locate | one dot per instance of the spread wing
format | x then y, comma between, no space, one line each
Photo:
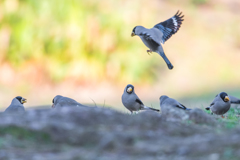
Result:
170,26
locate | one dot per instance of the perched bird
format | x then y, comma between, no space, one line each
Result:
60,101
160,33
131,101
166,102
220,105
16,105
234,100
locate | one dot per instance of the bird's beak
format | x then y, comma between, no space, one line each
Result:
226,99
24,100
133,34
129,89
53,106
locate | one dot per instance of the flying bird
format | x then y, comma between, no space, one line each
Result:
160,33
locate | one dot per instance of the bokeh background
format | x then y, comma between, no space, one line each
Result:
83,49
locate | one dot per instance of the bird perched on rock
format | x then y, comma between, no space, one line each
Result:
166,102
221,104
234,100
131,101
60,101
160,33
16,105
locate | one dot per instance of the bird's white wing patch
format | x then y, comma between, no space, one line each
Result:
170,26
175,23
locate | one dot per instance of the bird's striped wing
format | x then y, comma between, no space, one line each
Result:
170,26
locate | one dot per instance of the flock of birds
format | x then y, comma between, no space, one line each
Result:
220,105
152,38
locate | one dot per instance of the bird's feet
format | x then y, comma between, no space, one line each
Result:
222,116
149,51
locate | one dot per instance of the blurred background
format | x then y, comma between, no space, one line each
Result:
83,49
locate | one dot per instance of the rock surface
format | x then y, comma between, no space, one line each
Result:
105,134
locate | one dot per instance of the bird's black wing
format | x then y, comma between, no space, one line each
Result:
170,26
139,101
181,106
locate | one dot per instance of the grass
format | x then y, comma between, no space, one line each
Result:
20,137
231,119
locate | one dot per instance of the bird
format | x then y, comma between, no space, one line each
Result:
60,101
131,101
220,105
234,100
160,33
16,105
166,102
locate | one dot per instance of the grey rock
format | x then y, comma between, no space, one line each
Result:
198,116
105,134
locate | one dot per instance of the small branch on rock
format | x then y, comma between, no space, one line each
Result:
93,101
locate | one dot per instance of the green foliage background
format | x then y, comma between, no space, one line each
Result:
52,46
67,35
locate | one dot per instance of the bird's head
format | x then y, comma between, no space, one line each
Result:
224,96
21,99
134,31
162,98
129,89
54,101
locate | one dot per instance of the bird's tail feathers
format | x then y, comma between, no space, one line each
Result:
169,64
235,102
149,108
